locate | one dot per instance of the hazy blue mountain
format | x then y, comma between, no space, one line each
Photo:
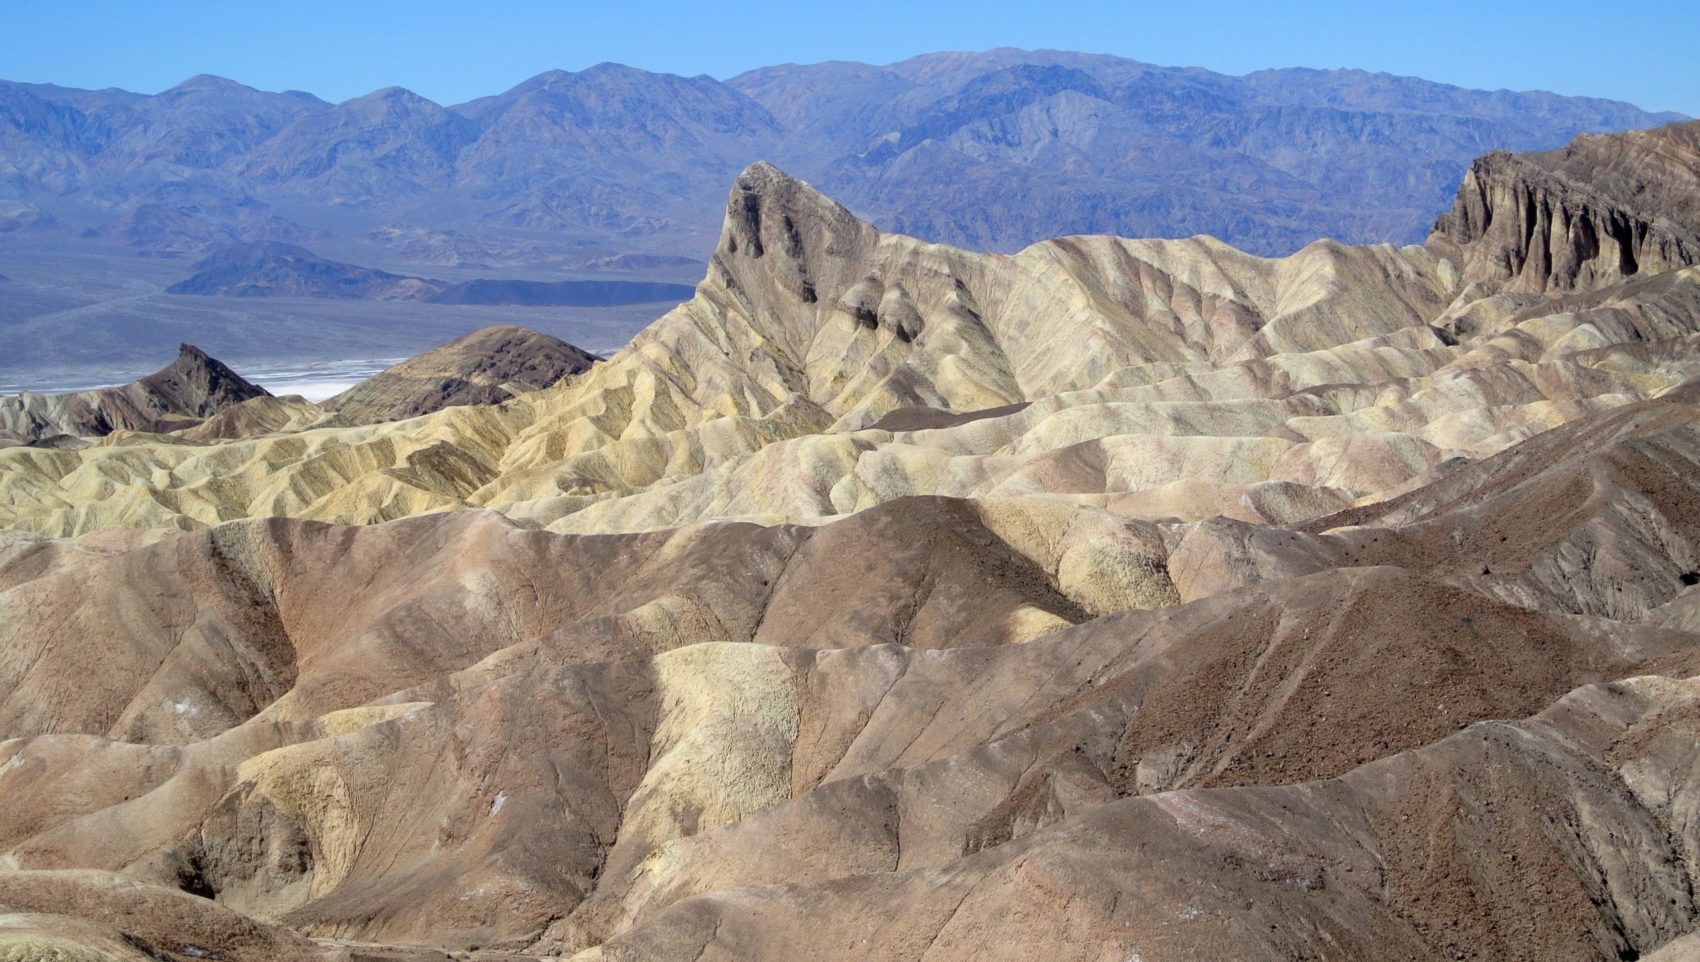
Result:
1035,144
202,123
44,146
991,150
613,148
388,144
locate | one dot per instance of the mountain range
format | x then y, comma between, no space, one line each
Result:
1119,598
993,150
109,200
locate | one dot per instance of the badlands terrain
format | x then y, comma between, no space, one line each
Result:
236,213
1109,600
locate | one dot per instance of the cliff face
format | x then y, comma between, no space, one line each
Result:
1601,210
194,387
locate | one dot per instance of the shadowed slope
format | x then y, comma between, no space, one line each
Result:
193,387
487,366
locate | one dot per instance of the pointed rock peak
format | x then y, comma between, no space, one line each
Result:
392,99
785,243
192,359
764,172
200,383
769,209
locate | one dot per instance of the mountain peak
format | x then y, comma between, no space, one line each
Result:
769,209
193,387
198,384
205,82
392,100
762,177
389,93
785,244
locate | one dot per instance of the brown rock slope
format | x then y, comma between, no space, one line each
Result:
487,366
192,388
1602,209
1114,600
616,737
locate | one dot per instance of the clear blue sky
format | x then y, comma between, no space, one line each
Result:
1649,54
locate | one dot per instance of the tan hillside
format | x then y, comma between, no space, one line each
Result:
1179,379
1112,600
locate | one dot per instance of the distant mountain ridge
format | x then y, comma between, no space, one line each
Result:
614,173
988,150
270,268
276,269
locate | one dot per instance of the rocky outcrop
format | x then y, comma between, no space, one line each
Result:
1601,210
192,388
488,366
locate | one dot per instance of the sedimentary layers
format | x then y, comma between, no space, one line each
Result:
1114,599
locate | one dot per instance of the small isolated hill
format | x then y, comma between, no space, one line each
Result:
276,269
487,366
193,387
